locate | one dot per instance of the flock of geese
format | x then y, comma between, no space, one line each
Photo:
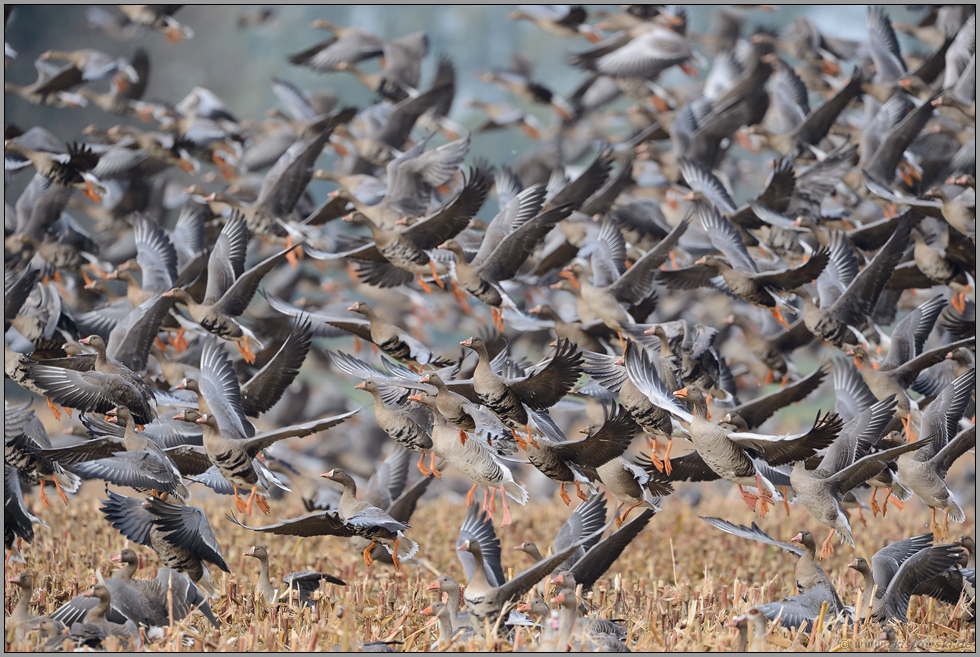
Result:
613,246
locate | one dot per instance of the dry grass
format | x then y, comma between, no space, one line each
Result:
676,586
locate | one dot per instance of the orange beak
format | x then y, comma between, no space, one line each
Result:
681,394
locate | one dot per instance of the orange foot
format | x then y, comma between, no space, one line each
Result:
421,466
367,555
827,548
432,465
564,496
498,319
54,409
61,493
425,286
777,313
263,504
239,503
44,498
245,350
435,275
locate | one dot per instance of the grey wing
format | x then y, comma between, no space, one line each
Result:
584,521
783,450
227,260
726,238
519,210
262,440
886,561
74,610
188,527
752,533
922,566
634,285
220,388
156,256
702,180
852,394
131,338
319,523
643,375
82,390
523,581
388,481
129,517
139,469
266,387
601,556
308,582
371,517
478,526
957,447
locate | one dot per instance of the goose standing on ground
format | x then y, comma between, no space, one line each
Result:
304,583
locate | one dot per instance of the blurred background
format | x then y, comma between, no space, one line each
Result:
235,56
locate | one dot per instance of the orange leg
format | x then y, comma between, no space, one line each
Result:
581,494
765,497
160,343
367,554
657,463
486,503
520,441
432,465
61,493
435,275
462,437
786,499
394,556
460,297
503,497
263,504
91,193
770,377
531,439
248,503
54,409
469,496
425,286
245,350
498,318
564,496
777,313
421,466
622,341
946,524
894,500
909,433
293,256
620,521
43,497
238,502
747,497
937,531
959,300
874,503
667,468
827,548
